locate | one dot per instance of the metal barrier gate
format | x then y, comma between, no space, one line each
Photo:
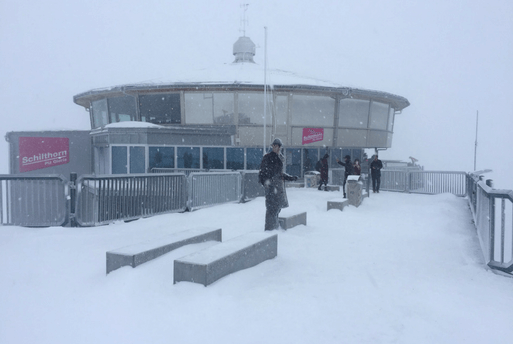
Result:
34,201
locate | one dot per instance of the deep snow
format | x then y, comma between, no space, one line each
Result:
401,268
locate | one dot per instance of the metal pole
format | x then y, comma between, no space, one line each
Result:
475,146
265,89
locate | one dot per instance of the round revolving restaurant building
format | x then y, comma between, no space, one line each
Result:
218,120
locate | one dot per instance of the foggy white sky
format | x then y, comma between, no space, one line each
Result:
448,58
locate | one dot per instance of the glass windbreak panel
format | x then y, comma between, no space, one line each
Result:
353,113
378,116
137,161
251,108
293,161
310,158
223,108
161,157
213,158
122,109
335,153
391,119
253,158
160,108
235,158
119,160
199,108
313,110
188,157
100,117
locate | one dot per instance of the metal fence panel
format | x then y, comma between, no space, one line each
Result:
437,182
394,180
34,201
105,199
251,187
211,188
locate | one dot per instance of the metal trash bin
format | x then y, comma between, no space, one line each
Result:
354,190
312,179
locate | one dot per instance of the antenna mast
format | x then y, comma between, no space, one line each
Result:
244,20
265,88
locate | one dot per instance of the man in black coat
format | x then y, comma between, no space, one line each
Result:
272,177
324,172
348,167
376,166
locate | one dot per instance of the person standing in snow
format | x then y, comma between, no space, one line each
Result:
376,166
324,172
357,169
272,177
348,167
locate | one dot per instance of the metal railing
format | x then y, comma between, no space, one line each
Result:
107,198
425,182
211,188
492,211
34,201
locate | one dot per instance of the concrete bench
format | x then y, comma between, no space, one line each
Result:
138,254
338,204
209,265
287,222
333,187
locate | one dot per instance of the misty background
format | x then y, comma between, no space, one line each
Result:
450,59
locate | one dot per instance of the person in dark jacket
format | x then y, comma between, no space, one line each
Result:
376,166
272,177
348,166
357,168
324,172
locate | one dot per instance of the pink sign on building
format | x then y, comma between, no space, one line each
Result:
42,152
312,135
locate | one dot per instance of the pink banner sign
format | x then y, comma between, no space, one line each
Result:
42,152
312,135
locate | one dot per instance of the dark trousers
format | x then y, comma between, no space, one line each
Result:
323,181
376,180
272,209
344,184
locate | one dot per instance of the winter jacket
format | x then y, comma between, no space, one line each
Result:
376,166
357,170
348,166
272,177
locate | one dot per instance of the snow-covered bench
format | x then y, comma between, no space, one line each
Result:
338,203
209,265
138,254
289,221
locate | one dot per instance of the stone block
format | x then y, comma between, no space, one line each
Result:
209,265
287,222
138,254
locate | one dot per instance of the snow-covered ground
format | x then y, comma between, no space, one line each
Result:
401,268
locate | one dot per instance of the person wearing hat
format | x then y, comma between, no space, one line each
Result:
324,172
348,167
376,166
272,177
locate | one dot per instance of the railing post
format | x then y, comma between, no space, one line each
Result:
73,196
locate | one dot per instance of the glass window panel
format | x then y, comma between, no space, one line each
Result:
335,153
313,110
223,108
100,116
119,160
213,158
293,158
137,161
310,158
188,157
253,158
160,108
379,115
161,157
353,113
251,108
235,158
122,109
391,119
198,108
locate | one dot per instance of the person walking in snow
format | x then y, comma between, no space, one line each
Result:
348,166
324,172
376,166
272,177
